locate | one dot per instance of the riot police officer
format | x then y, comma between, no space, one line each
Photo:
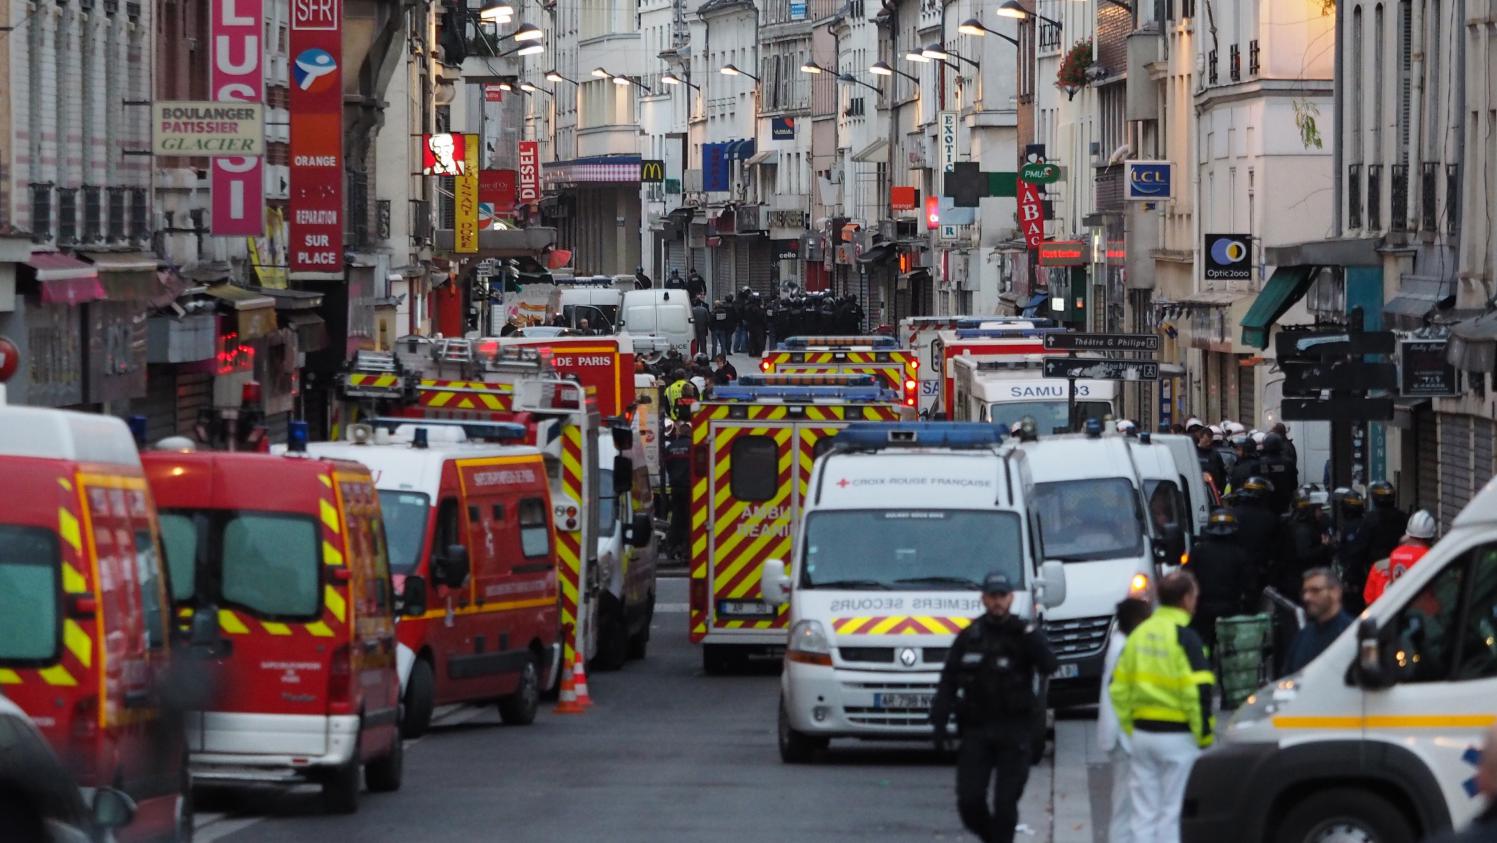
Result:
1225,573
1259,530
993,664
1305,543
1245,464
1281,471
1384,522
1353,547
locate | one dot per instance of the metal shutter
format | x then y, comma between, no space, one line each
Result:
1247,399
753,256
1427,463
723,280
675,258
194,393
1456,478
159,405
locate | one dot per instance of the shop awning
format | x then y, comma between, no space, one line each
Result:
768,156
1035,301
127,276
255,313
875,254
291,299
311,331
872,152
1417,296
1473,344
1212,298
1287,285
63,279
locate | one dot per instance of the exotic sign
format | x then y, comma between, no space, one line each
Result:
529,191
236,74
208,128
316,139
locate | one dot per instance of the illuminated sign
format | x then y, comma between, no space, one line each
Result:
465,199
443,154
1148,181
236,74
1063,253
932,212
903,198
529,191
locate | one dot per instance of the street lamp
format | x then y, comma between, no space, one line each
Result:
731,70
601,73
626,81
882,68
924,57
973,26
496,12
528,32
553,76
939,53
531,89
1015,9
673,79
813,67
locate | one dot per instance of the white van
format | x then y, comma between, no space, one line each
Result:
1379,737
657,320
902,524
627,554
595,299
1094,517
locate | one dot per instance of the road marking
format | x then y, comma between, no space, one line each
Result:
222,828
672,608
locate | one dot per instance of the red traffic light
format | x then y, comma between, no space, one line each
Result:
932,212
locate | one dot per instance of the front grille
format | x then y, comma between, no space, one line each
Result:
905,687
1078,636
880,717
878,655
936,655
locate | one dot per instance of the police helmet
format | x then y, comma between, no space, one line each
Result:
1256,487
1126,427
1382,493
1216,432
1304,498
1352,499
700,359
1192,423
1273,443
1221,523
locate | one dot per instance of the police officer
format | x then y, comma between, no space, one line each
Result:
1305,544
1384,521
1246,463
1225,574
1210,461
1281,471
1259,529
1353,548
753,314
993,664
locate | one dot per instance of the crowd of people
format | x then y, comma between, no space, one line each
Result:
748,322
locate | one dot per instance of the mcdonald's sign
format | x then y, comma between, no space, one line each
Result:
651,171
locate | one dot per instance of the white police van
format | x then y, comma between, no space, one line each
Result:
901,524
1378,738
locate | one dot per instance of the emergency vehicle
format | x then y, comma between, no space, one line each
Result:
752,445
596,299
292,615
446,380
85,610
468,524
1007,391
901,523
603,365
1380,736
918,333
646,418
871,355
1010,344
627,552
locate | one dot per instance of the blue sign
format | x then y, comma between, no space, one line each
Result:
1148,181
716,173
782,128
797,9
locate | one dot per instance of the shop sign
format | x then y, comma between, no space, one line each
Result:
1229,257
236,74
1148,181
530,173
465,200
1031,214
208,128
903,198
1040,172
1423,370
782,128
316,139
1063,253
444,154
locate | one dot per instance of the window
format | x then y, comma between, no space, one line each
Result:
1086,520
754,470
148,574
1354,154
1166,505
272,565
405,515
535,531
449,531
141,224
607,500
116,214
30,558
1424,646
1477,658
67,215
93,210
1405,83
179,540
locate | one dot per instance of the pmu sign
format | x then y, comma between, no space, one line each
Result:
237,75
1148,181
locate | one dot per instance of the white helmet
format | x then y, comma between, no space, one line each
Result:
1235,428
1421,525
1193,422
1125,426
1216,432
1259,436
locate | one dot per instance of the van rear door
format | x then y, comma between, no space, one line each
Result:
752,497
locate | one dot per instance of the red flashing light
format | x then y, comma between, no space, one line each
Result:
251,393
915,363
932,212
909,401
766,366
909,386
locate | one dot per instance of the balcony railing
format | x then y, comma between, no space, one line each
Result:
1429,187
1374,197
1235,65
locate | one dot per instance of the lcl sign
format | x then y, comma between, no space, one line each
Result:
238,76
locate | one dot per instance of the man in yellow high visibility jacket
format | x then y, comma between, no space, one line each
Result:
1162,692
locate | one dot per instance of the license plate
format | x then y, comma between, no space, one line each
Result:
745,608
916,701
1066,671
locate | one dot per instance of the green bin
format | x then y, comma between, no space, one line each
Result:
1243,652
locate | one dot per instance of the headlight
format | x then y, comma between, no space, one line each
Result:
1139,586
1265,703
808,644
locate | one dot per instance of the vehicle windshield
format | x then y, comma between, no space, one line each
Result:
268,563
939,550
607,501
1049,416
405,515
600,317
29,571
1084,520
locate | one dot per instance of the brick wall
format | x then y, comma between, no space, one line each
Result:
1113,25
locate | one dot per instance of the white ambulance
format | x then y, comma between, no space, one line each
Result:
901,524
1379,737
1006,391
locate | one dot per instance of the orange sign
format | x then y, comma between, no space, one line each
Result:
903,198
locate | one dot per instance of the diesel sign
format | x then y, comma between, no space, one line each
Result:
529,190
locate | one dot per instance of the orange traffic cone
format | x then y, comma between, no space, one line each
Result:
568,703
584,699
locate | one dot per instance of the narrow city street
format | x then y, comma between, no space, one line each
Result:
666,753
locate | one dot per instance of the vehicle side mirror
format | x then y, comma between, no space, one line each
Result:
638,532
623,438
1372,670
112,809
413,597
774,583
623,475
644,400
454,569
204,640
1051,584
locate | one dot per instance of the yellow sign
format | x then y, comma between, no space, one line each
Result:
265,257
465,234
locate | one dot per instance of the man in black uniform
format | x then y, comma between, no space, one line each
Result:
696,285
993,663
1246,463
1305,544
1210,460
1385,522
1259,529
1225,574
753,315
1353,549
1281,471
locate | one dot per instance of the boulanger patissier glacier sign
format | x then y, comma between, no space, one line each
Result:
208,129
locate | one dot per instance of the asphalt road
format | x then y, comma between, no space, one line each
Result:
665,753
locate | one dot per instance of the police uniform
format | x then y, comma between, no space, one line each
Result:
993,663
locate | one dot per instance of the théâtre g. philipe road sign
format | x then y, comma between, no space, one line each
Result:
1081,368
1101,342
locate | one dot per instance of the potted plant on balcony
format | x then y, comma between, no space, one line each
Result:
1072,75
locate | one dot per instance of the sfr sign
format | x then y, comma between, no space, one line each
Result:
238,184
315,14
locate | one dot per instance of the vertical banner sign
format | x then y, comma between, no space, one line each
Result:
1031,214
317,138
946,139
529,191
465,200
238,184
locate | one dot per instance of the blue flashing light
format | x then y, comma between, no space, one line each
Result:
297,436
1004,333
804,393
137,425
873,436
797,379
1093,427
979,321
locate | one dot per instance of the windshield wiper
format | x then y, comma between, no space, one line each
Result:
851,584
961,581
